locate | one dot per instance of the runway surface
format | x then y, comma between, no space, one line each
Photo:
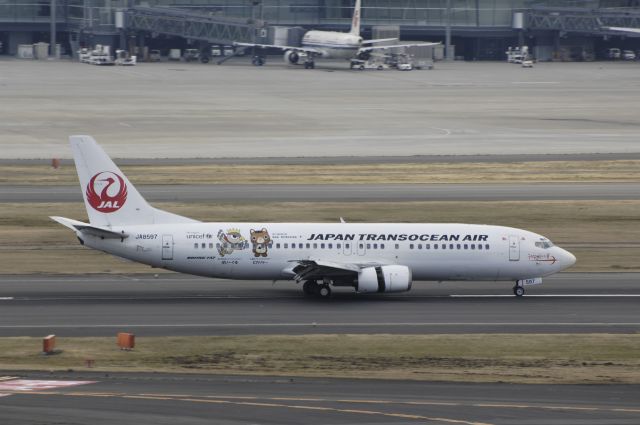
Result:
169,110
347,160
343,193
182,305
158,399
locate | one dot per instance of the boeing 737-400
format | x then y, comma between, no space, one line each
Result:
329,45
370,257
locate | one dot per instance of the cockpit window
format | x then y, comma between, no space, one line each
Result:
544,244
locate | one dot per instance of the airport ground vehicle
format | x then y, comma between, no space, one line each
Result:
368,64
191,55
154,55
614,53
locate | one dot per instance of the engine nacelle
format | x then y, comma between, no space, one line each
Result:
384,279
291,56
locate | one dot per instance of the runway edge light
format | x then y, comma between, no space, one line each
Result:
126,341
49,345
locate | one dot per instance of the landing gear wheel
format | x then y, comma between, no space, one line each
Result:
518,291
257,60
309,65
324,291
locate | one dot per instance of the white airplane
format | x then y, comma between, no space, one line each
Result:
370,257
329,45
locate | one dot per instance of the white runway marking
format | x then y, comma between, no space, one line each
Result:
535,82
550,296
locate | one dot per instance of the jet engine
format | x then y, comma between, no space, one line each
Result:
384,279
291,56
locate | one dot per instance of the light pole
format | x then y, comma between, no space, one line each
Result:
53,29
447,33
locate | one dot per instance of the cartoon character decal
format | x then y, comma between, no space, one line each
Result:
230,241
260,240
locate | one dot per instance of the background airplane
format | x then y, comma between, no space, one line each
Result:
329,45
370,257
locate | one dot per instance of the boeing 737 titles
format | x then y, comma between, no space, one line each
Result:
370,257
329,45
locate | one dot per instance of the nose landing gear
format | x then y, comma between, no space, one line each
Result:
518,290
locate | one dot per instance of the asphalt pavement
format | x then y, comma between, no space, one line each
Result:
174,304
343,192
159,399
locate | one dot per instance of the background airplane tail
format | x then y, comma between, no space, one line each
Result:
355,21
110,198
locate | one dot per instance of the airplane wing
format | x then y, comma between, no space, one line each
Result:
318,269
623,29
370,48
281,47
378,40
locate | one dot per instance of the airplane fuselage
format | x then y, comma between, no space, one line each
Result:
270,251
335,45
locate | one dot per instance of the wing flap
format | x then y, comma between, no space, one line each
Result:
318,269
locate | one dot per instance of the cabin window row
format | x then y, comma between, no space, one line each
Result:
450,246
325,246
435,246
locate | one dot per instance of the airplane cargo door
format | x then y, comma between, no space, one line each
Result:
514,248
167,247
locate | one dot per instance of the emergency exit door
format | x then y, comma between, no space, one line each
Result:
514,248
167,247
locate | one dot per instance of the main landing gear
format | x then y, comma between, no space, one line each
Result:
518,290
258,60
320,290
309,64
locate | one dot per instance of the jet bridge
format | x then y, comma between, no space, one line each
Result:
580,20
190,25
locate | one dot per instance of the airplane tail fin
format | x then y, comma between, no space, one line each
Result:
355,21
110,198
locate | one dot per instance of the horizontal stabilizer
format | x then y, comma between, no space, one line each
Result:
88,229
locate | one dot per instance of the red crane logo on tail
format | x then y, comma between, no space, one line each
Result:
106,192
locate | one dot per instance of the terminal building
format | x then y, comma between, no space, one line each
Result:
480,29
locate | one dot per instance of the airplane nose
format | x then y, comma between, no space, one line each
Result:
568,259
